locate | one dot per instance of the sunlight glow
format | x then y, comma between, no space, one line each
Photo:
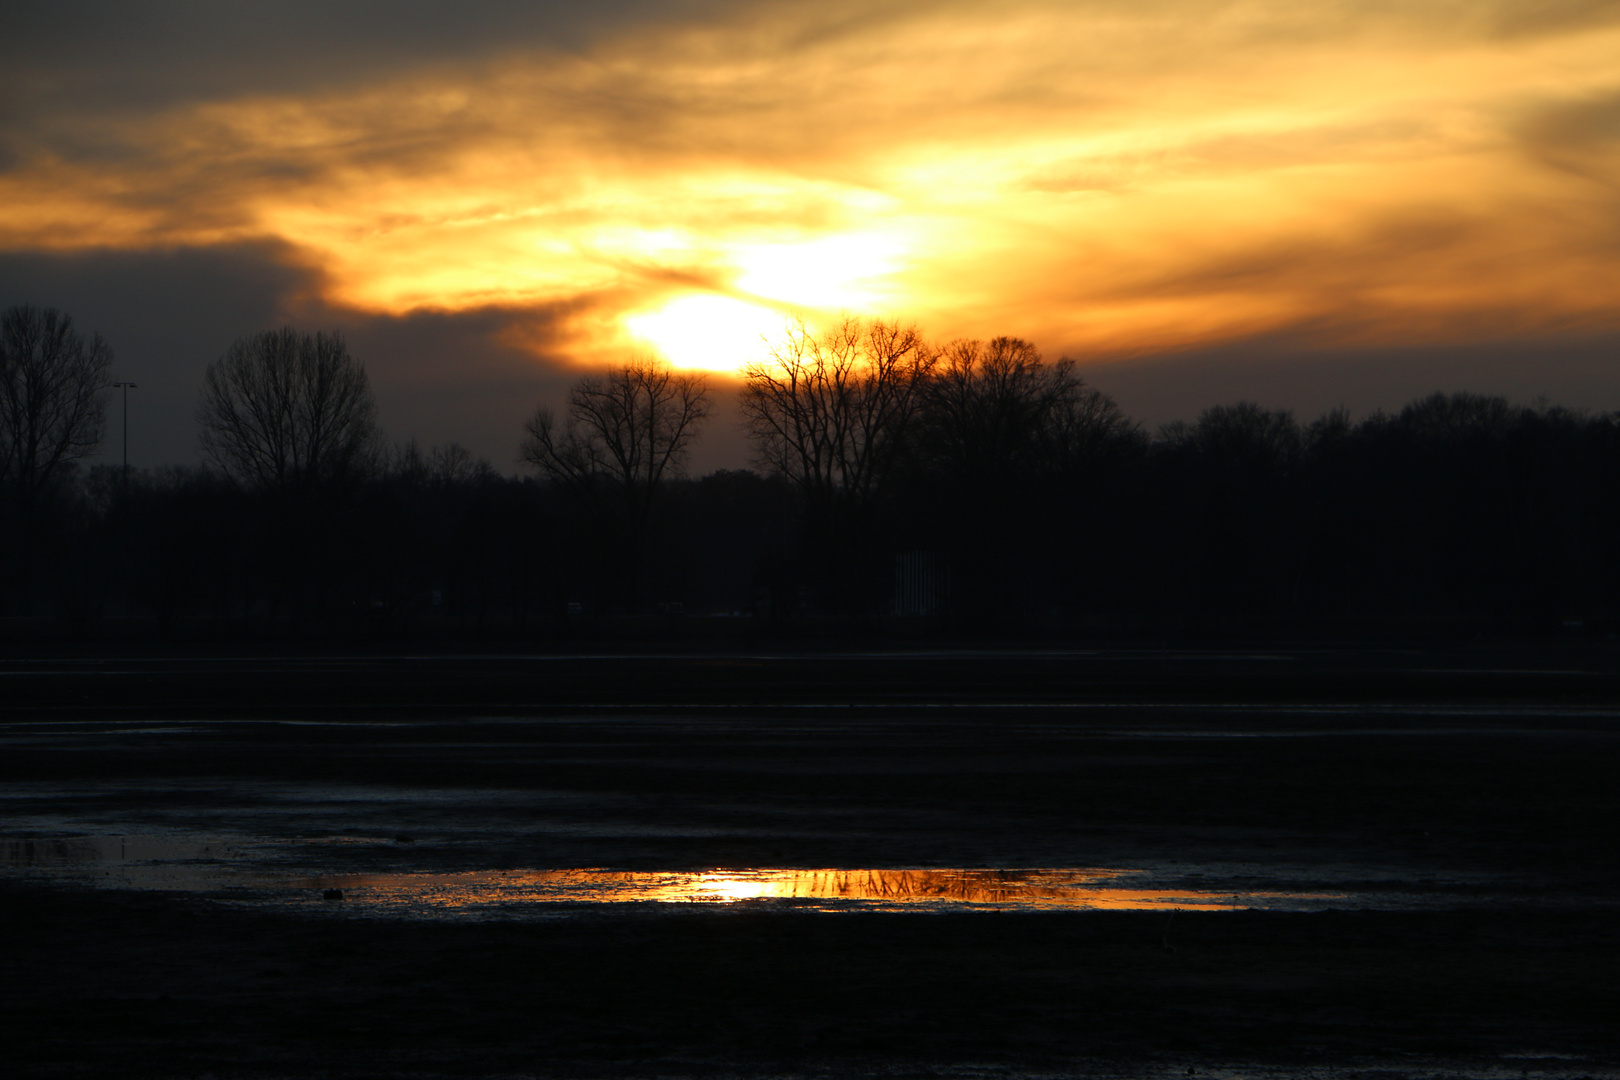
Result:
1093,889
842,271
728,888
1104,179
145,862
707,332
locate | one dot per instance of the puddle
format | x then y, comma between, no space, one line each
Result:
824,890
247,871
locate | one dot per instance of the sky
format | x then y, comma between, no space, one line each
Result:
1304,205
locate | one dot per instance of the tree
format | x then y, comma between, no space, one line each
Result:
625,433
996,411
1237,476
1085,428
446,466
832,411
288,411
629,428
52,398
1241,436
1006,467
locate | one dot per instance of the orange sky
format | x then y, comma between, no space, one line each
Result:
1095,176
1109,179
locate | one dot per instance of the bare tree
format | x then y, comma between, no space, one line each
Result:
444,466
1085,426
995,409
1240,436
1005,446
288,411
831,411
629,428
625,432
52,398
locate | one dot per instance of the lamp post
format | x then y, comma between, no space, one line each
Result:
126,387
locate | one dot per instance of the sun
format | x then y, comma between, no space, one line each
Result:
707,332
729,888
845,271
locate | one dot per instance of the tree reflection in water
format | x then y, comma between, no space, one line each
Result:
213,866
1023,889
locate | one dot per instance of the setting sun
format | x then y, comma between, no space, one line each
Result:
1273,202
707,332
832,272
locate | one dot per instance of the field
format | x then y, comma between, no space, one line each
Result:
1458,808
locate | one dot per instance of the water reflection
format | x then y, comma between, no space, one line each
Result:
1096,889
257,873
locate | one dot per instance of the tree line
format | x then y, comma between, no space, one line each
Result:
970,486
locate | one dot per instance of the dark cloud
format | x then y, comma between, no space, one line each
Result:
1579,372
159,52
1500,275
606,157
463,377
470,377
1580,137
1524,18
1328,263
473,377
443,377
166,314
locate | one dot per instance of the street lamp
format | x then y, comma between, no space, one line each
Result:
126,387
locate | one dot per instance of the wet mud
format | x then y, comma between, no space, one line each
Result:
167,856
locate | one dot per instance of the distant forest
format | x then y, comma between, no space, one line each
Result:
900,488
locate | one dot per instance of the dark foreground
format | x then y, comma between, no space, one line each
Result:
144,986
1482,786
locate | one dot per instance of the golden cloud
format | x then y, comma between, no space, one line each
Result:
1105,178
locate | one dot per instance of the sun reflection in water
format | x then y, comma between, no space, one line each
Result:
209,865
1089,889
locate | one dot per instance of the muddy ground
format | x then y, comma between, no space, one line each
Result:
1463,801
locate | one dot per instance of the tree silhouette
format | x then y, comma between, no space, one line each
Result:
1233,477
832,411
288,411
52,384
996,408
1005,440
624,434
289,417
895,468
629,428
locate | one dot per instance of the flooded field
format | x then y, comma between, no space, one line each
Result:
513,818
1053,864
243,872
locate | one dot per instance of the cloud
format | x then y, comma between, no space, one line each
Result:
1281,371
165,313
1580,137
502,190
102,54
1527,18
470,376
